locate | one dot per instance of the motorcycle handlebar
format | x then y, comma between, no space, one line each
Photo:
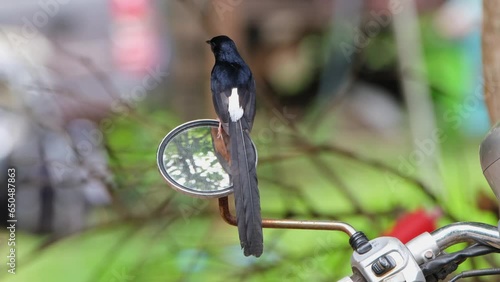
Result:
424,248
466,232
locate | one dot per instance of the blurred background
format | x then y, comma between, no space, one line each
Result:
369,112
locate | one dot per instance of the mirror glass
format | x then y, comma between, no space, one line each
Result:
188,162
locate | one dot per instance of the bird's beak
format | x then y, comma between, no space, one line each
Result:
208,42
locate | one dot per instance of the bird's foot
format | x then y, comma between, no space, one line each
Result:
219,131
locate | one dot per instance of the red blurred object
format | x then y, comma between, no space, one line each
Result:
134,50
134,36
412,224
129,8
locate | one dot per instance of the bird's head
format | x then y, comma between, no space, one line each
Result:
223,47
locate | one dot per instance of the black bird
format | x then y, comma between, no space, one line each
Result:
233,94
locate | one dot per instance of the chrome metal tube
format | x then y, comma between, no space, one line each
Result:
467,232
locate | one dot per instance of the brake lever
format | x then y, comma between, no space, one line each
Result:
443,265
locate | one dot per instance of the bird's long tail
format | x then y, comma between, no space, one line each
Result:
246,191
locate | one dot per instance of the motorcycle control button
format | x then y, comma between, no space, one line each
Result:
383,264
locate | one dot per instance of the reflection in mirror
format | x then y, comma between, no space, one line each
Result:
190,160
187,160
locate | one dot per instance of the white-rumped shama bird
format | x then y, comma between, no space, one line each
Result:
233,94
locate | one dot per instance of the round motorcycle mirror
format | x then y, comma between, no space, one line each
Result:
188,161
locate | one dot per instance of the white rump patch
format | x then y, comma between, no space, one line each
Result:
235,110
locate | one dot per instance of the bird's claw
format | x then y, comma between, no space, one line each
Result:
219,131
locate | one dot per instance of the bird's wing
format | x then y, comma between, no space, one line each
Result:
220,94
247,99
221,104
